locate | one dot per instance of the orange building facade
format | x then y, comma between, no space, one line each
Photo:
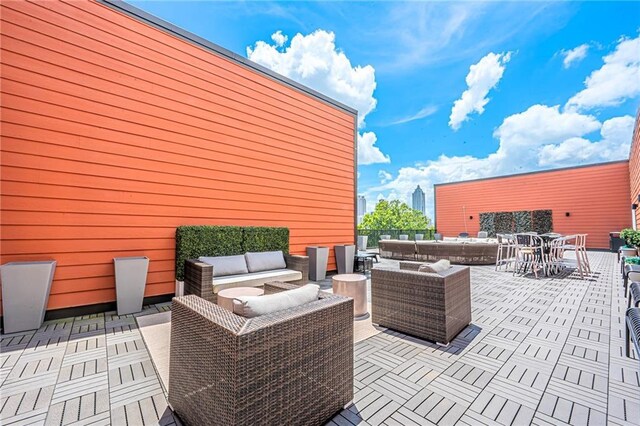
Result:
634,173
117,129
591,200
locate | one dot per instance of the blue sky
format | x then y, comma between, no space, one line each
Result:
535,85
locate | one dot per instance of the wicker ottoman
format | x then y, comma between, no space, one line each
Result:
355,287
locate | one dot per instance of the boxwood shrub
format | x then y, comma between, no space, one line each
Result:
203,240
193,241
262,238
522,221
542,221
487,224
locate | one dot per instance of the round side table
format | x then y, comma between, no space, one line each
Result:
226,296
354,286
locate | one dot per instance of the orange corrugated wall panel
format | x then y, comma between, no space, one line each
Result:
634,169
115,132
596,197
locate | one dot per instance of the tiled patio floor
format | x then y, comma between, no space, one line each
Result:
547,351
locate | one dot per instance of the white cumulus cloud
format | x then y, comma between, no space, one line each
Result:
540,137
483,76
368,152
574,55
279,39
616,81
315,61
614,145
384,176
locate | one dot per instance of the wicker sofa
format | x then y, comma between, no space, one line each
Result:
199,277
430,306
290,367
462,253
398,249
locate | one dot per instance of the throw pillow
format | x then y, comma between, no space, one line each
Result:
265,261
253,306
226,265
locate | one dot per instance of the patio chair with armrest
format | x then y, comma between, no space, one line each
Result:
293,366
431,306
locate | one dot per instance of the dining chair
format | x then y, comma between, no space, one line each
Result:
529,252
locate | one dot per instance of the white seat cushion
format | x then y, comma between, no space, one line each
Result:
253,306
265,261
255,279
226,265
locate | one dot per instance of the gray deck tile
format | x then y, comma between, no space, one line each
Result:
543,351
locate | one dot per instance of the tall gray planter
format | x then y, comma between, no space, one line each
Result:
25,293
344,258
131,278
362,242
318,258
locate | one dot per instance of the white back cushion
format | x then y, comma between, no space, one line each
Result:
253,306
440,266
226,265
265,261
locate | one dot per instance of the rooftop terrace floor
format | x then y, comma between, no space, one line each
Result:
541,351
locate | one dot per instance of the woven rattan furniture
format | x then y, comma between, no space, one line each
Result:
398,249
226,296
632,319
198,276
431,306
634,294
462,253
355,287
293,367
630,272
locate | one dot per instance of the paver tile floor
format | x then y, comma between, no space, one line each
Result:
540,351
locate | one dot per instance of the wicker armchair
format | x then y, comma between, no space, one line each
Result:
291,367
431,306
198,276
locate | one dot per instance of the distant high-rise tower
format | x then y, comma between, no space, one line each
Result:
418,200
362,207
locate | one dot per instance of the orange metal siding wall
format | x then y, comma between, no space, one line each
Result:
115,132
634,169
596,198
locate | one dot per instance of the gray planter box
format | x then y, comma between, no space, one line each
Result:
419,237
362,242
318,258
344,258
628,252
25,293
131,278
403,237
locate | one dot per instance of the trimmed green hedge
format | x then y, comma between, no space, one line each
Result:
522,221
193,241
494,223
260,238
487,223
542,221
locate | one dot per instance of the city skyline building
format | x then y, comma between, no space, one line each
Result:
418,200
362,207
